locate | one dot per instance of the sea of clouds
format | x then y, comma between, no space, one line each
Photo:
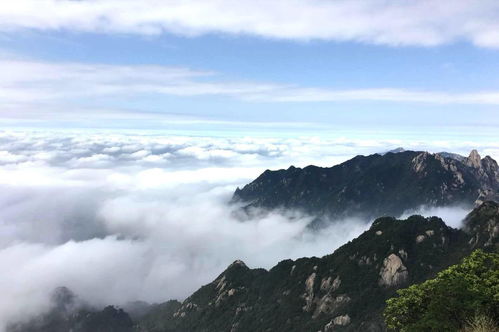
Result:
123,217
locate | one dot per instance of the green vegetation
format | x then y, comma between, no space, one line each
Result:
448,302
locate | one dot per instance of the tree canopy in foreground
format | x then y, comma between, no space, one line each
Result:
451,300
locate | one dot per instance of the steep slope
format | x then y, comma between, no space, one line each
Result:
344,291
154,319
483,224
376,185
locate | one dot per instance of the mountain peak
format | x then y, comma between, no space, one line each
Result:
237,263
396,150
474,159
235,271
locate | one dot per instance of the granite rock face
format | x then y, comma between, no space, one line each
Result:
393,272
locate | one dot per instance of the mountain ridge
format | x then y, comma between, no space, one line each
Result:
329,293
374,185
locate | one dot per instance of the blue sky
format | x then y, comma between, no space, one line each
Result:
292,67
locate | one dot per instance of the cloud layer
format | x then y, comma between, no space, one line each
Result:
426,23
41,91
119,217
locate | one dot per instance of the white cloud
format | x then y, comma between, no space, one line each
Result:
151,229
452,215
427,22
43,91
385,95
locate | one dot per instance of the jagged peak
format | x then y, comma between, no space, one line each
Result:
236,273
474,154
488,160
474,158
238,263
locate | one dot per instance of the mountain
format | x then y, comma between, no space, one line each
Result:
344,291
375,185
70,315
396,150
453,156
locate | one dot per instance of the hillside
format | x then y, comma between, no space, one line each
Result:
344,291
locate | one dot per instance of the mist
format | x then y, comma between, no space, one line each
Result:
118,218
453,216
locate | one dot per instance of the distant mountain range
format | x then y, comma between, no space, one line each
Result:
344,291
377,185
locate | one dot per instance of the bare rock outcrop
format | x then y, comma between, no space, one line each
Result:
309,292
474,159
342,320
393,272
328,304
419,162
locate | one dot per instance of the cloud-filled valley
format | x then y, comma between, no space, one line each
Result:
118,217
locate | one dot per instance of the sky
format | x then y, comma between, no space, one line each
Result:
125,127
391,69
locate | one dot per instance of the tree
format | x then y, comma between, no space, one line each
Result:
447,302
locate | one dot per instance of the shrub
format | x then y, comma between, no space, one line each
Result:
447,302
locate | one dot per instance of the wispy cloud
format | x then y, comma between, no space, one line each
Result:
377,94
25,84
427,22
